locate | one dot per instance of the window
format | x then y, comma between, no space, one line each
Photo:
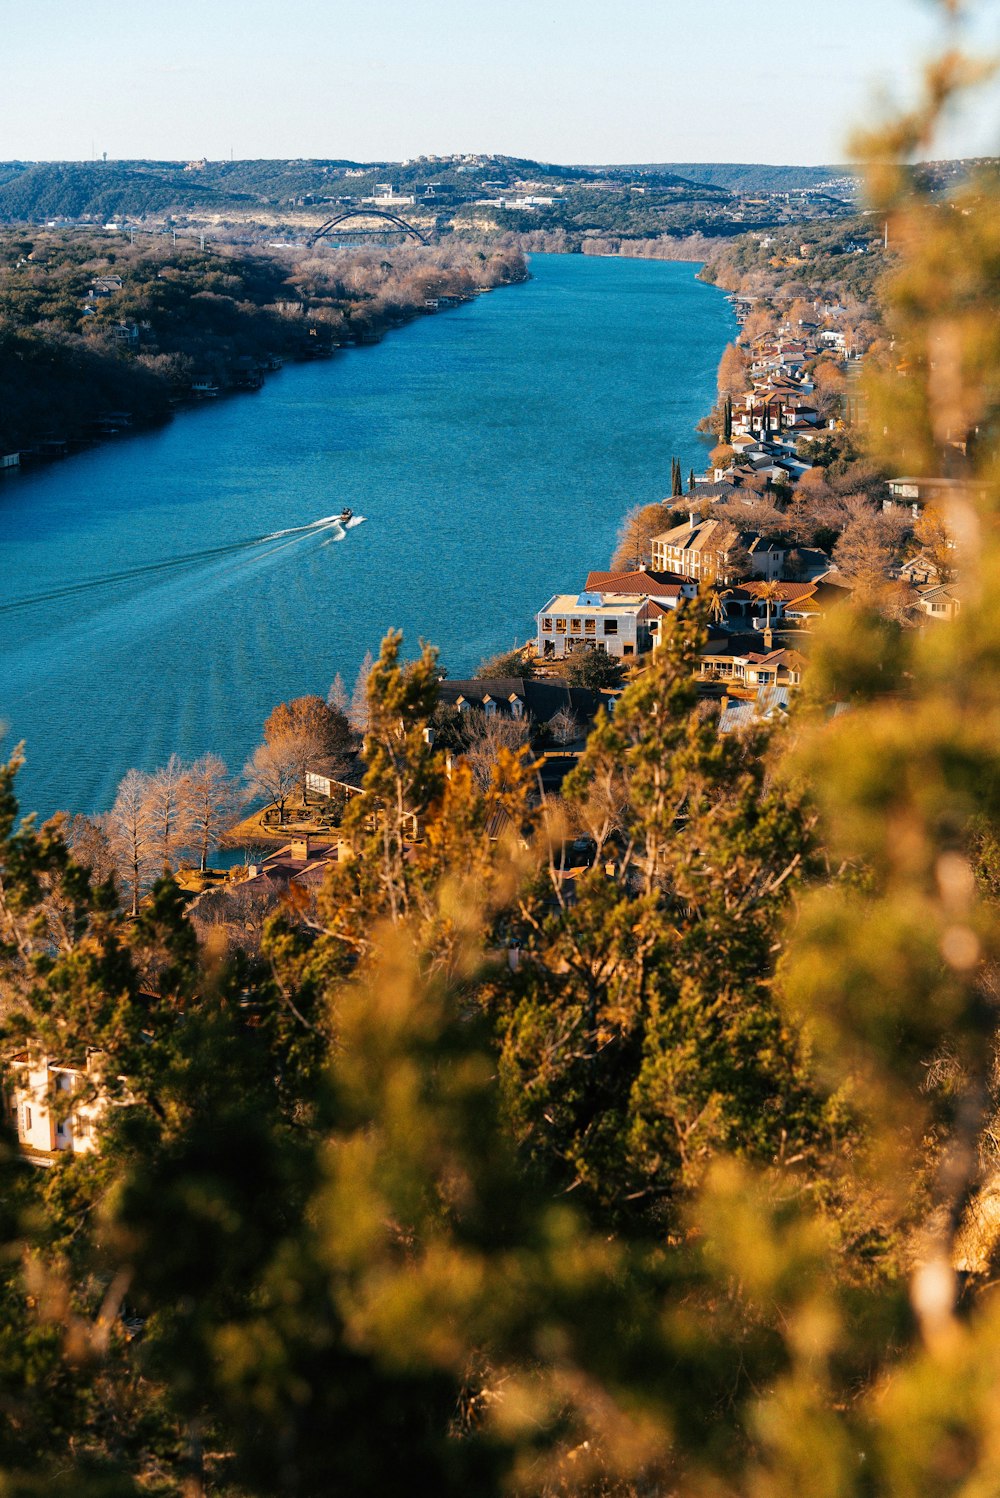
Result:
27,1119
628,650
576,626
560,626
590,626
547,623
611,626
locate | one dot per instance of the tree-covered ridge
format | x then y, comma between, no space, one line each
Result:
841,260
71,190
47,189
758,176
487,193
75,344
448,193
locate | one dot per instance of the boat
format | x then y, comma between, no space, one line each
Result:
345,516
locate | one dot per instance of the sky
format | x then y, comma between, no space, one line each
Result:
556,80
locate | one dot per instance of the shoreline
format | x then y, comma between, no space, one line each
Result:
76,445
649,478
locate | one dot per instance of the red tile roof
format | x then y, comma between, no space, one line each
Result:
652,584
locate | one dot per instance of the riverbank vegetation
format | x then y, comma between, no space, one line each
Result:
97,334
692,246
842,262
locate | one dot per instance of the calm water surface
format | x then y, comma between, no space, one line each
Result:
147,603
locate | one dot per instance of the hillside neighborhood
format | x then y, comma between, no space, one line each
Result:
770,531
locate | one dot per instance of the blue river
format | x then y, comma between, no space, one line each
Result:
164,591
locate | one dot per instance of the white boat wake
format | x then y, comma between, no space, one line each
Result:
253,549
323,523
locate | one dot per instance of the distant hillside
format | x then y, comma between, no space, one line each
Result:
737,176
97,189
30,191
749,177
941,176
473,194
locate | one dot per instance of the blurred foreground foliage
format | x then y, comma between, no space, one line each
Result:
699,1195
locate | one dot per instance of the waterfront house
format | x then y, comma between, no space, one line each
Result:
742,605
302,861
617,623
558,718
770,704
347,781
714,550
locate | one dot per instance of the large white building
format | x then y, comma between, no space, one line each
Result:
618,623
54,1107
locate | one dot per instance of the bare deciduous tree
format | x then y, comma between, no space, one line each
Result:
132,834
756,513
868,546
272,771
358,713
337,697
91,846
734,367
167,810
485,735
564,726
210,801
636,534
240,912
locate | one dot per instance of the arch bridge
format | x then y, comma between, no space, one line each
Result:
399,225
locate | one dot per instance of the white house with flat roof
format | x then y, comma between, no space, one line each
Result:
54,1106
618,623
